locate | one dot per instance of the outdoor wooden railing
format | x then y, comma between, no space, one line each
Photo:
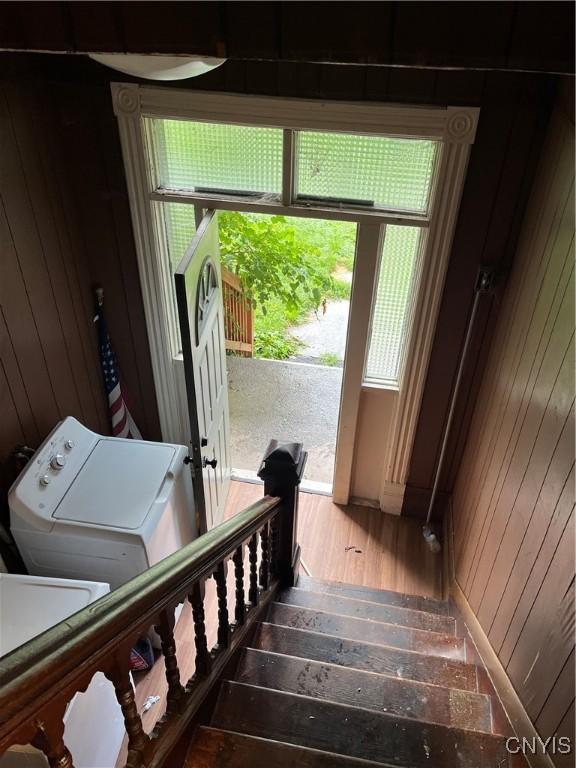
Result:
238,316
39,679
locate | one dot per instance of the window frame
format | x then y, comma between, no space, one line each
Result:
453,127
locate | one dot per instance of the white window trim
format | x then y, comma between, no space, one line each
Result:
455,127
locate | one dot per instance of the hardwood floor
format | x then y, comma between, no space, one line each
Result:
353,544
357,544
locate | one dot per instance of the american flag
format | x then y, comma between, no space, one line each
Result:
122,422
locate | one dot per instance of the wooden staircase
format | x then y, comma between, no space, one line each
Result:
341,675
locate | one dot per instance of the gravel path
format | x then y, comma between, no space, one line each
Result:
325,333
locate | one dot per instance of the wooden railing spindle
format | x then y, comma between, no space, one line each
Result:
203,659
253,557
49,739
240,609
274,534
165,629
222,596
119,675
265,562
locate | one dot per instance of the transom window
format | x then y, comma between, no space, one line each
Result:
200,162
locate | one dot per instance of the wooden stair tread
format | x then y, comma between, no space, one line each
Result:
383,596
368,630
353,731
216,748
372,657
364,609
330,682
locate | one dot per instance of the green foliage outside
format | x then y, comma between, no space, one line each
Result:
288,267
329,358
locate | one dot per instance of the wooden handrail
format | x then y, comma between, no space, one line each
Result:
39,678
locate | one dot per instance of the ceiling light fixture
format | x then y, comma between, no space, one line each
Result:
152,67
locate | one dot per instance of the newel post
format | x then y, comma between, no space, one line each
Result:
282,469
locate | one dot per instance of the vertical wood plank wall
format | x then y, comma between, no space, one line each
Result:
64,226
513,503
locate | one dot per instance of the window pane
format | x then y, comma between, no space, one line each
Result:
389,314
180,228
218,158
385,172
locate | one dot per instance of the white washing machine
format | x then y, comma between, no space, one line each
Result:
101,508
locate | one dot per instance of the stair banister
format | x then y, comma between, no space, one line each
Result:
39,679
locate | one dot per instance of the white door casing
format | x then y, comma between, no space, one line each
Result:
201,315
453,127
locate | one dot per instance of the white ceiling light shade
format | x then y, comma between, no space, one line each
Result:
152,67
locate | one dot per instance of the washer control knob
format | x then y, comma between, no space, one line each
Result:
69,444
44,480
58,462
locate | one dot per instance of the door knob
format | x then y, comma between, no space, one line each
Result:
210,462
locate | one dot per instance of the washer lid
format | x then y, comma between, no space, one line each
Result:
118,484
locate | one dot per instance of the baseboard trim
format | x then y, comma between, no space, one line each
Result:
358,501
392,498
515,711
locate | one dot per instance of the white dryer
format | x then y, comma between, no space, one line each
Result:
101,508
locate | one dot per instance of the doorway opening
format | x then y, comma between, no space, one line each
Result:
286,288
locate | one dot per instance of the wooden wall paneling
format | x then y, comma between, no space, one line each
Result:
516,36
96,26
562,515
531,375
502,239
567,728
484,429
412,86
483,177
128,269
501,236
534,30
459,87
173,27
29,369
86,161
315,33
422,35
514,494
262,77
513,335
47,26
519,545
376,83
252,30
32,270
41,107
16,391
297,79
547,638
522,420
30,130
235,77
560,699
525,480
338,81
13,429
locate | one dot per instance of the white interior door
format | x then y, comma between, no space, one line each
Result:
201,316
